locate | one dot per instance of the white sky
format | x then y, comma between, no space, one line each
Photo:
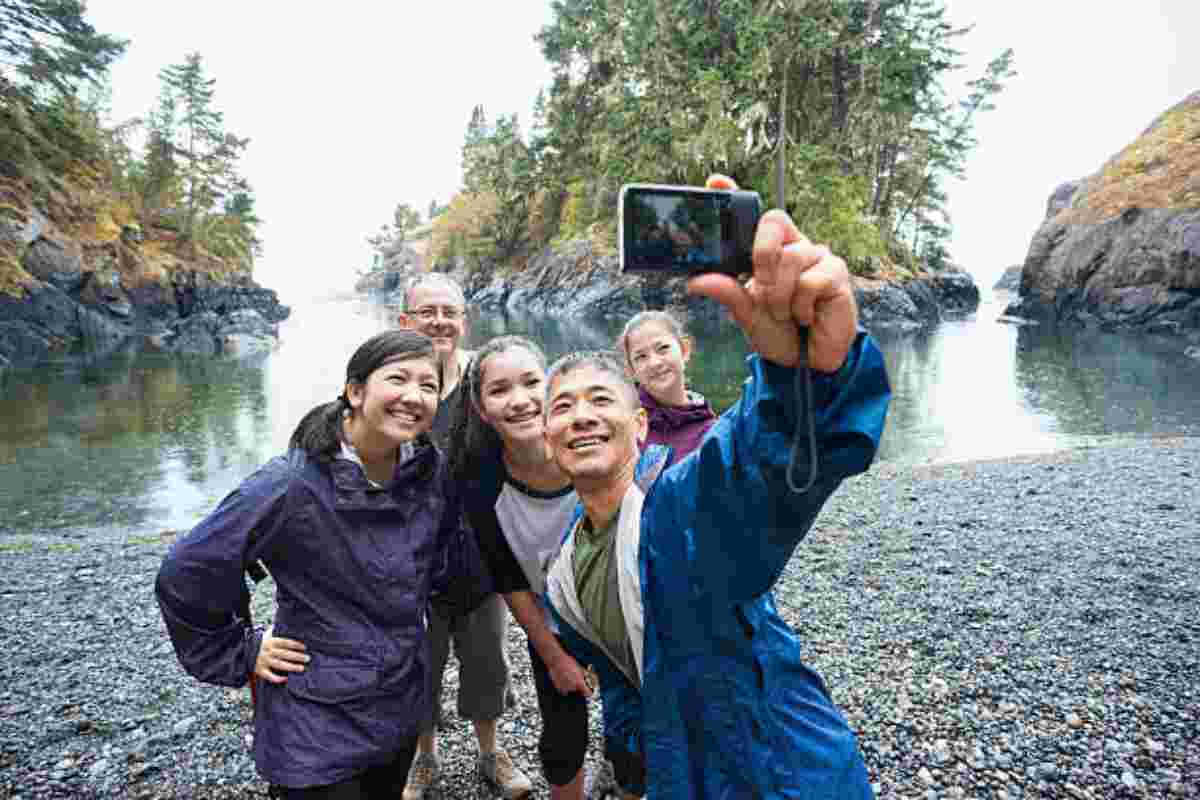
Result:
351,112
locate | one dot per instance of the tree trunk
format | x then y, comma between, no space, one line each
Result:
840,69
781,154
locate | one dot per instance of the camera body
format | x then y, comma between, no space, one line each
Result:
684,230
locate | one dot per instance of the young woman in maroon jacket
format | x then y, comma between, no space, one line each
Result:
656,349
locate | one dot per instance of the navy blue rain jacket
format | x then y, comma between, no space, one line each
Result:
354,568
723,706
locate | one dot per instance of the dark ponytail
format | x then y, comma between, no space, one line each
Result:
472,441
320,431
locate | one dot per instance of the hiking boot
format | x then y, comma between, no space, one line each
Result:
422,775
499,770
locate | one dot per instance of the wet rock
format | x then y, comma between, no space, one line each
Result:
1010,279
57,263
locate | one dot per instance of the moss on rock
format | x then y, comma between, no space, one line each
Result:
1158,170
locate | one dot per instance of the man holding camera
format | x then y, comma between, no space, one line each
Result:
663,585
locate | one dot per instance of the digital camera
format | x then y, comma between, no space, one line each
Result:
686,230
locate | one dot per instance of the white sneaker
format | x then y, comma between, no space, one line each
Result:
422,775
499,770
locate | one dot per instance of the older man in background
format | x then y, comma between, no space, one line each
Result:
434,305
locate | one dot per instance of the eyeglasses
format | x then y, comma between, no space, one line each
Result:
430,313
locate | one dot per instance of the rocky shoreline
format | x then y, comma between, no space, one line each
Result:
75,295
575,281
1016,628
205,320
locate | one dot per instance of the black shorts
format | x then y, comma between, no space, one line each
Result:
563,743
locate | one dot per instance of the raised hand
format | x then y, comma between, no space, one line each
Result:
795,283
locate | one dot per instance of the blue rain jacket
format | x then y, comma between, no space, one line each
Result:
354,567
726,708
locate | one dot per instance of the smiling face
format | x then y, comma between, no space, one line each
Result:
395,405
593,425
511,388
658,358
437,311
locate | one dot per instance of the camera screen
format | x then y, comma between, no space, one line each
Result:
665,229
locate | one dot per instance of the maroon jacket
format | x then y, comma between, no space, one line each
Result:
680,428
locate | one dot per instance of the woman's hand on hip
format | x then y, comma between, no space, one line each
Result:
278,656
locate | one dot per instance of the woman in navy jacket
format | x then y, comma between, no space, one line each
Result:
358,525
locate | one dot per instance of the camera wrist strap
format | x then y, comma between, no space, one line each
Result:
805,421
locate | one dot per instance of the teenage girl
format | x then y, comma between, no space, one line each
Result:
519,504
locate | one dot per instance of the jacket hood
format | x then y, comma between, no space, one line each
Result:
674,417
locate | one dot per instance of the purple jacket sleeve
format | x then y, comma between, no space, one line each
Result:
201,585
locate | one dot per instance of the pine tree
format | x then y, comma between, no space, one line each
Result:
47,43
191,166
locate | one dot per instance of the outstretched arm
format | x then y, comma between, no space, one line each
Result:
733,492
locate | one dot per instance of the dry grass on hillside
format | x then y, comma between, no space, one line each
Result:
1161,169
13,204
83,209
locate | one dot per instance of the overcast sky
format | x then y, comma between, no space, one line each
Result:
351,112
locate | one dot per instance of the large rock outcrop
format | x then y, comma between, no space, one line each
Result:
1121,248
69,285
397,259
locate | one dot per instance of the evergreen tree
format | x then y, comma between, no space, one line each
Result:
843,96
405,221
497,162
205,154
47,43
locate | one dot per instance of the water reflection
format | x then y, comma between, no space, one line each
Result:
1099,383
147,441
93,443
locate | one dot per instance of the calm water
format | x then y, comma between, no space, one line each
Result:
141,442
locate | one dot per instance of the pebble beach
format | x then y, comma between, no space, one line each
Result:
1019,628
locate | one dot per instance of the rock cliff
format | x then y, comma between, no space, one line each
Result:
73,278
1121,248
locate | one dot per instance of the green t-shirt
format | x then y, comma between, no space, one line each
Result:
596,587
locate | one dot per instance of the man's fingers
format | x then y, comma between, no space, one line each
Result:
775,232
726,291
817,281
